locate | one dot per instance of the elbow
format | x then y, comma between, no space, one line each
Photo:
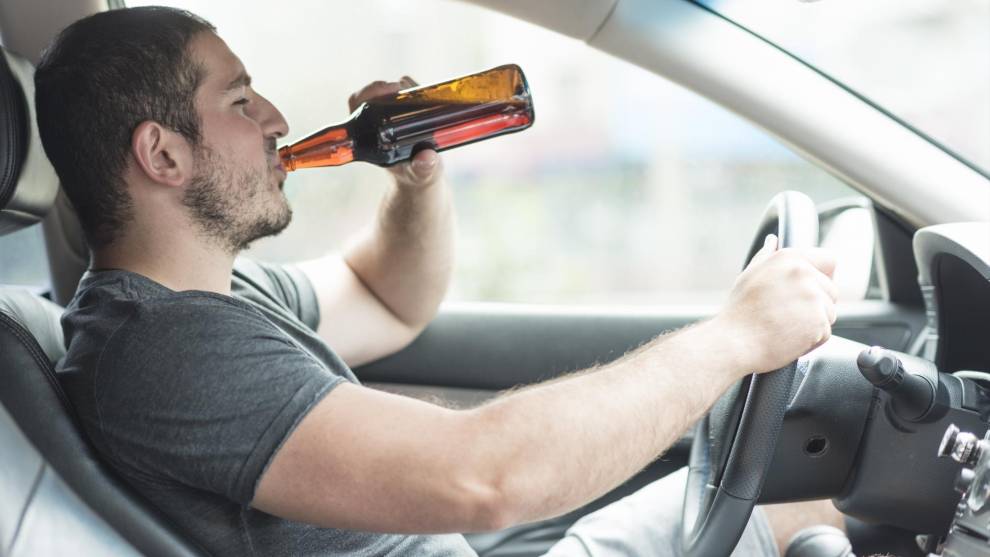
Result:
489,483
486,508
408,329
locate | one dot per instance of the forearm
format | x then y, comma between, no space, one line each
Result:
554,447
414,467
405,258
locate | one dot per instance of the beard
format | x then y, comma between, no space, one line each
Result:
234,206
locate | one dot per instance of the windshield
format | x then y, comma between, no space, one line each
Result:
927,62
616,195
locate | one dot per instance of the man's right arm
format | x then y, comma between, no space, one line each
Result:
372,461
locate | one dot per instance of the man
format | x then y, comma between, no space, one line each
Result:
209,383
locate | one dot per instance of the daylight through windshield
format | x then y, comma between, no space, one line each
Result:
926,62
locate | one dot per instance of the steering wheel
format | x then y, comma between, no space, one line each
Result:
734,444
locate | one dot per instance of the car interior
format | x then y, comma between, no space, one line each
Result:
842,435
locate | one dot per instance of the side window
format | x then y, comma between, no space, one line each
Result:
22,259
627,189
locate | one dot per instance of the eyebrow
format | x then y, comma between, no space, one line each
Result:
242,80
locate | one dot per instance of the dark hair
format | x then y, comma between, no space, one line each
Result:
98,80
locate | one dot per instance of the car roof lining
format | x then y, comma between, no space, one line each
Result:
889,162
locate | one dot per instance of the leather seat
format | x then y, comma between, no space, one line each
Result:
58,497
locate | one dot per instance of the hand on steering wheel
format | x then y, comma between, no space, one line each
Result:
734,444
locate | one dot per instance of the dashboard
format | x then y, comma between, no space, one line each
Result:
954,275
898,479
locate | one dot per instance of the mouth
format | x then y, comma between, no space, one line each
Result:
275,163
273,159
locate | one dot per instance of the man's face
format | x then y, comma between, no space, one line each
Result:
236,194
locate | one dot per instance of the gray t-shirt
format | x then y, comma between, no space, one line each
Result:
189,395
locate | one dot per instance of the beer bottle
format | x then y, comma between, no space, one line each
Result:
391,129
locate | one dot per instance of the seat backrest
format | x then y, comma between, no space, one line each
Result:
39,514
58,497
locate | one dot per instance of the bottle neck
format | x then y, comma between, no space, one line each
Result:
331,146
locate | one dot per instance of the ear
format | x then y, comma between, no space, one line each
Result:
162,155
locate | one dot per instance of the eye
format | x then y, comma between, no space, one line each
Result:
242,101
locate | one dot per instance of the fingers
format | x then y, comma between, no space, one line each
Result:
824,268
770,243
425,164
822,264
825,332
822,259
372,90
769,246
827,298
379,89
425,168
830,313
828,286
812,269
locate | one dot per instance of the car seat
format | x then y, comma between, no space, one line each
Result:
58,497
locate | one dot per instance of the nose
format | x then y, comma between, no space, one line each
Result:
270,119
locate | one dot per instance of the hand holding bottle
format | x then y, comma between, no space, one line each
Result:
390,124
425,168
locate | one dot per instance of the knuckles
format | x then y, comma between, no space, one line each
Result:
372,90
785,305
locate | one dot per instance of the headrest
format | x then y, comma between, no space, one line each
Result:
28,183
37,316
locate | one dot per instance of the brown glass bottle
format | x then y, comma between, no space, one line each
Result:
388,130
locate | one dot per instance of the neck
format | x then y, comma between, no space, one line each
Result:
178,263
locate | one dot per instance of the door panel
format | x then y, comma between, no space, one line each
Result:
880,323
492,347
472,351
499,346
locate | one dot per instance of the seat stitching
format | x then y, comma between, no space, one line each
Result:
32,346
27,505
24,336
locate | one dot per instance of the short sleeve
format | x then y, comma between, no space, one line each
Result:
285,284
203,391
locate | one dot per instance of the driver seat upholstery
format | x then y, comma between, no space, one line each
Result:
59,497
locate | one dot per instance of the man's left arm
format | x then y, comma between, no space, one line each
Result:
378,295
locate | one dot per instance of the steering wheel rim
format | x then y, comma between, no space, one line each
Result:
722,488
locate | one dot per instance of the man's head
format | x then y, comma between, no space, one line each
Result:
146,107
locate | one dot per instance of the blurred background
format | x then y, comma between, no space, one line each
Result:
628,189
